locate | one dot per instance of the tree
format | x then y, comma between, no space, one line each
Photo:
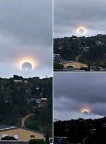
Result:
35,141
58,66
16,77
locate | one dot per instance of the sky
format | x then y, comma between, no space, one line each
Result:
76,91
25,36
71,14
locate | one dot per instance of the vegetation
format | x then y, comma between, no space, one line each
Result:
58,66
18,98
84,49
82,131
34,141
84,68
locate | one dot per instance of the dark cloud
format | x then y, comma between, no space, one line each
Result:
72,14
26,31
73,91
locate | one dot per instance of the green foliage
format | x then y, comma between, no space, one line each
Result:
36,141
16,77
47,138
83,68
41,121
103,65
86,68
58,66
16,102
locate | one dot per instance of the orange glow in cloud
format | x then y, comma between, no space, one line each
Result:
27,59
85,109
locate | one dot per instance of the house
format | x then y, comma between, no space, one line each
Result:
56,58
19,133
99,43
44,99
38,101
73,64
26,81
84,48
104,125
60,140
59,48
18,81
43,102
37,88
74,37
51,140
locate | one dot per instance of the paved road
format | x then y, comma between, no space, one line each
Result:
24,119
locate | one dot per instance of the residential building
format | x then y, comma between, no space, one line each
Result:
18,81
19,133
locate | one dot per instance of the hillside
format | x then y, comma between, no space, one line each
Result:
89,50
20,97
82,131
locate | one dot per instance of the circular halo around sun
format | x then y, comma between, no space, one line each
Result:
81,30
27,63
85,110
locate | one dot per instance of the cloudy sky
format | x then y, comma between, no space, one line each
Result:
25,35
71,14
76,91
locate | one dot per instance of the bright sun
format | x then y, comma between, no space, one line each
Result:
81,30
85,109
29,60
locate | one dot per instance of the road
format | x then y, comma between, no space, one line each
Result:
78,57
24,119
